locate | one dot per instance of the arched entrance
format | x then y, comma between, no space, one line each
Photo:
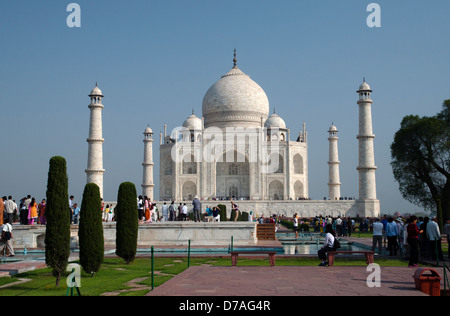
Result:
233,176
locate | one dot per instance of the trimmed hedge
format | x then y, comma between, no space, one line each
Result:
126,212
223,212
57,229
90,230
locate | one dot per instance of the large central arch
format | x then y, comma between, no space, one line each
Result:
233,176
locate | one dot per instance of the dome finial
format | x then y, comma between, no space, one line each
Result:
235,60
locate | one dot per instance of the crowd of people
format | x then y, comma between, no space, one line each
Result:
27,212
416,237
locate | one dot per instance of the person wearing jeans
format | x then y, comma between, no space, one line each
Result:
413,242
328,244
377,235
391,234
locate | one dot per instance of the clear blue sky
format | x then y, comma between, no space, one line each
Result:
155,60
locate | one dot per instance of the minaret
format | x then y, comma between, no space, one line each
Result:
147,182
334,183
95,169
366,167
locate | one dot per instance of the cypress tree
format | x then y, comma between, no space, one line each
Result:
90,230
127,222
57,232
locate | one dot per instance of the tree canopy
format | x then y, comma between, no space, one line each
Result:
421,160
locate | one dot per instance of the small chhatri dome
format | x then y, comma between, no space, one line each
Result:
193,123
148,130
333,129
96,91
275,121
364,86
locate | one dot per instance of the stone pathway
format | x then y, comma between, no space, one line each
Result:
287,281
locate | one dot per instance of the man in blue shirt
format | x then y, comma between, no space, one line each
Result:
391,234
76,213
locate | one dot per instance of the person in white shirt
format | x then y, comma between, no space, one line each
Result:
165,212
184,212
377,235
296,225
434,239
6,238
10,207
338,225
328,244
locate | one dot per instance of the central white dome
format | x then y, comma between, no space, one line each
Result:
235,100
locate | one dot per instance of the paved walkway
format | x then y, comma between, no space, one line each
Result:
271,281
287,281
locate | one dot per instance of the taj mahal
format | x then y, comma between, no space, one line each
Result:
240,149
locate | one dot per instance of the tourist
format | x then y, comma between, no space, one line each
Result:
165,212
447,233
344,227
391,234
23,212
76,213
349,227
405,236
32,212
197,209
434,240
377,235
423,238
339,226
10,207
2,209
413,242
71,207
105,213
184,212
42,206
235,210
384,222
180,212
110,213
6,238
147,204
296,225
216,214
400,231
140,209
154,212
172,211
328,245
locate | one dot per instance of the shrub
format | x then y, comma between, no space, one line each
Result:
303,227
127,222
57,230
222,212
90,230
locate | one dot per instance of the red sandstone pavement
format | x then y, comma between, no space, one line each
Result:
287,281
13,268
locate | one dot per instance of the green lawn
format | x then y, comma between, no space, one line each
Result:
114,275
